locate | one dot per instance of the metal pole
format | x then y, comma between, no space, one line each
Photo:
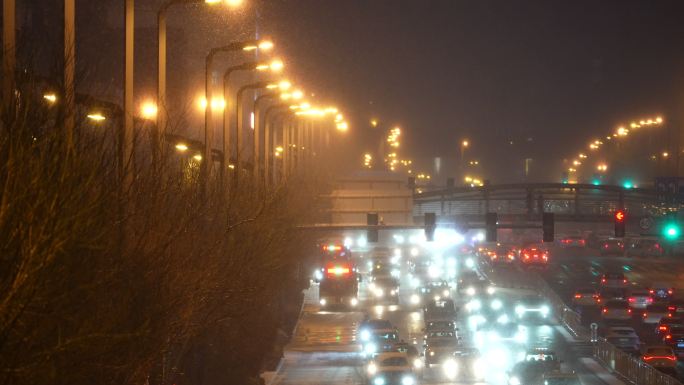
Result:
127,137
162,111
69,65
208,129
9,54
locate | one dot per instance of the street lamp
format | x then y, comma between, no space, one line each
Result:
274,66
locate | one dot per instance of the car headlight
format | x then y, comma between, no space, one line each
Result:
393,292
318,275
379,293
503,318
519,310
545,310
408,380
469,262
323,301
417,363
365,335
432,354
490,290
450,368
470,291
381,381
496,304
415,299
372,368
474,305
371,348
478,369
354,302
445,293
521,336
514,381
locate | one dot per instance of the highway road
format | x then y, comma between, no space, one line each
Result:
325,348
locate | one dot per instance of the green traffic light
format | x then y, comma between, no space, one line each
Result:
596,182
672,231
628,184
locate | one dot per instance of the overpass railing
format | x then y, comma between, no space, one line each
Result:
533,199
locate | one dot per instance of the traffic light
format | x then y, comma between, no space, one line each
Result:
620,219
671,229
490,226
372,220
430,225
548,227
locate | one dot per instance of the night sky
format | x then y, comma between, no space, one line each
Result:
547,75
555,72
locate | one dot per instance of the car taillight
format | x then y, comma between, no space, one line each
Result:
671,358
527,256
624,280
511,256
670,292
605,310
668,337
649,300
578,296
631,299
629,311
651,291
605,246
603,280
671,308
581,241
662,328
645,315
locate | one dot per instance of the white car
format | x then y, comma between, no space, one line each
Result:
391,368
532,307
624,338
639,299
439,345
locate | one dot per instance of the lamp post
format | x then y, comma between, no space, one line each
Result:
275,66
268,151
162,116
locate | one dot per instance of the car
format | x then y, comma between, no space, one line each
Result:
616,310
532,369
665,324
644,247
440,325
367,327
675,339
441,310
612,293
614,280
561,378
466,364
385,289
624,338
467,278
479,287
661,291
532,307
501,256
439,345
639,299
534,256
660,357
612,246
572,241
381,340
586,297
676,308
414,357
391,368
654,313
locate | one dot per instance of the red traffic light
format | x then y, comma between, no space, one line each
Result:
620,216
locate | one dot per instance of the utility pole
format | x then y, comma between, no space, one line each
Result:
69,70
8,53
127,134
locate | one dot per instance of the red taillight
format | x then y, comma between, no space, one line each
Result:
578,296
338,270
527,256
671,308
581,241
603,280
651,291
670,292
624,280
671,358
605,246
649,300
645,315
668,337
662,328
631,299
605,310
629,311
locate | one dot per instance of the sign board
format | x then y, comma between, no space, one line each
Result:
646,223
670,187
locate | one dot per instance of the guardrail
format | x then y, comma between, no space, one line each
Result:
630,368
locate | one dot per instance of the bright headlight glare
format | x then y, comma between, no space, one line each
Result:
354,302
545,310
365,335
372,368
415,299
496,304
371,348
381,381
407,380
322,301
445,293
503,318
470,291
478,369
469,262
490,290
417,363
450,368
514,381
519,310
379,292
